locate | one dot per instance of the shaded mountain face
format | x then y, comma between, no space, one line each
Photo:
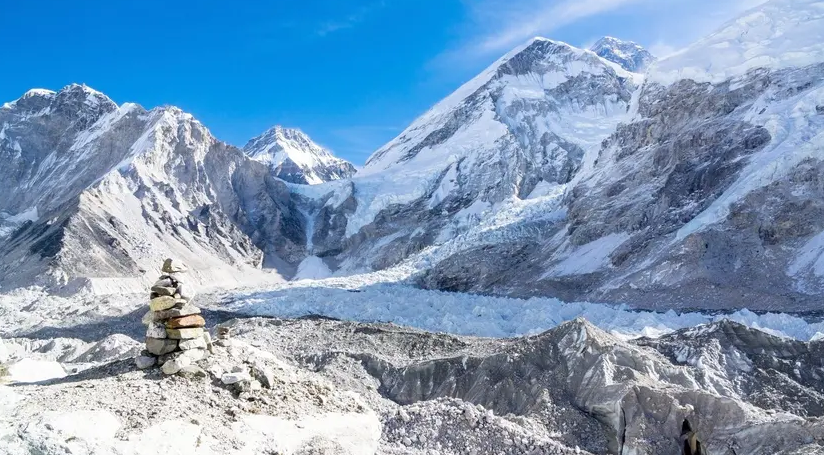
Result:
292,156
631,56
706,197
741,389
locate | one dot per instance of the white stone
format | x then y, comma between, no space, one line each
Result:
174,365
195,343
173,266
234,378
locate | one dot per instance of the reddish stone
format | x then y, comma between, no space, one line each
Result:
193,320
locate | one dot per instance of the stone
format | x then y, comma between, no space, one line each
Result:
184,334
149,317
179,310
162,303
224,333
185,292
263,375
173,266
165,281
192,372
208,339
163,290
195,343
145,361
234,378
156,330
158,346
173,366
186,322
194,355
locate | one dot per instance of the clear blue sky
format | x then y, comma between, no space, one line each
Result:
352,74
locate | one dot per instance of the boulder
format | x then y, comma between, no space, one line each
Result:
186,322
184,334
179,310
162,303
159,346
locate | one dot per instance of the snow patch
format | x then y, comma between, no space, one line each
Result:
312,268
31,370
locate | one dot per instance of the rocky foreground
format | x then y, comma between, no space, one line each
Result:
320,386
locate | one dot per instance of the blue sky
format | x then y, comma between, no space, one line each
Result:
352,74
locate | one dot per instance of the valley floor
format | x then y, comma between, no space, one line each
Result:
415,371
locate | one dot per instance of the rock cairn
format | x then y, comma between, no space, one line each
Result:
175,338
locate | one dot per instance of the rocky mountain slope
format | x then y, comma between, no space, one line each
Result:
99,192
378,388
293,157
631,56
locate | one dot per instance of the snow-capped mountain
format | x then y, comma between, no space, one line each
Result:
631,56
554,172
708,196
293,157
523,127
99,193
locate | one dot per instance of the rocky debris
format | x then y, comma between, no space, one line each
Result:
175,335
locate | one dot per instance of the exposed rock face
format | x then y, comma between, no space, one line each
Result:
117,183
740,388
631,56
292,156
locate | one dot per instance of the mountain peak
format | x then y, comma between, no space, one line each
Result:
294,157
630,55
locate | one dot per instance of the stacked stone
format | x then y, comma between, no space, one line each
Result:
175,338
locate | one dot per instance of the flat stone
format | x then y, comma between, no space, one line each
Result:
186,322
184,334
234,378
162,303
173,366
173,266
163,290
179,310
149,317
145,361
192,372
165,281
195,343
156,330
159,346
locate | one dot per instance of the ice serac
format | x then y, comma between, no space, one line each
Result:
631,56
106,191
525,123
709,196
292,156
